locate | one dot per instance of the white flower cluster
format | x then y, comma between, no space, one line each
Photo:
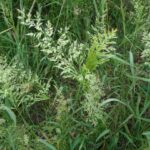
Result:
138,13
64,53
18,86
92,105
146,52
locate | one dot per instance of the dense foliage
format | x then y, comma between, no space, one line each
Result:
75,75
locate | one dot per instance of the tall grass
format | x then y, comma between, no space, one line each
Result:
74,75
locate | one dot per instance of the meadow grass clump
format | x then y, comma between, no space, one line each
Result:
74,75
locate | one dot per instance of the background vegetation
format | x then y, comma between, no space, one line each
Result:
74,75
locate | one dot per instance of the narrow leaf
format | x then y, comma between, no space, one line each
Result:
49,146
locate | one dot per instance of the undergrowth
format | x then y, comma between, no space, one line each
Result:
74,75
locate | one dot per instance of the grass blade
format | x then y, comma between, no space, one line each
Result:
49,146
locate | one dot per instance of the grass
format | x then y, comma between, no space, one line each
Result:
74,75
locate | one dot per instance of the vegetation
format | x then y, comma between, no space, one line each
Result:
74,75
